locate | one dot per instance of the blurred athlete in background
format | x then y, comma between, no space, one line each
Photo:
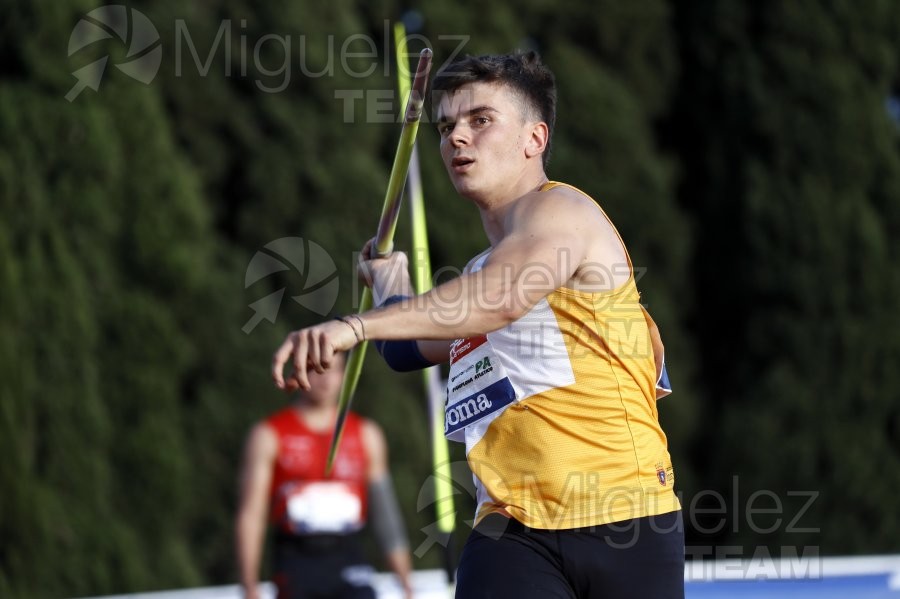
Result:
317,520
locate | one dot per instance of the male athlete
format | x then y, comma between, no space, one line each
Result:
554,364
317,518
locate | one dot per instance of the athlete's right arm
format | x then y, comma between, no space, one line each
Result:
250,523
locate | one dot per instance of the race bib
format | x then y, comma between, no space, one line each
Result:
324,507
478,386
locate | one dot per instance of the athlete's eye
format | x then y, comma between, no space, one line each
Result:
482,120
445,128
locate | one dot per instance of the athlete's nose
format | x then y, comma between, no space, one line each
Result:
458,136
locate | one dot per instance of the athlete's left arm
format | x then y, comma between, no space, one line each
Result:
384,510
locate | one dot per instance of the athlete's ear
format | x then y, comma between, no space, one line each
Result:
537,141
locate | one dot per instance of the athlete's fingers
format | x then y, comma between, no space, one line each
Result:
366,253
363,271
314,357
280,358
300,359
327,353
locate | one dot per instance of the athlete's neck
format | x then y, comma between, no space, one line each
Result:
317,417
493,214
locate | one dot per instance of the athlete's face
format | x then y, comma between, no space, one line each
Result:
326,386
484,132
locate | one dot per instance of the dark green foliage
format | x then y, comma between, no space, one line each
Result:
742,149
790,160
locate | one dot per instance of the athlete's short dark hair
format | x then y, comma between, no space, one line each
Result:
523,72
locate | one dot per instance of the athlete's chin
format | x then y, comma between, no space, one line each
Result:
464,186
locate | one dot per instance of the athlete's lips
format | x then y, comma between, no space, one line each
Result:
461,163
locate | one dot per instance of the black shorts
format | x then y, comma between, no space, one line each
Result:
321,567
641,558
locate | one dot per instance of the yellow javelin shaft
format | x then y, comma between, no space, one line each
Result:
421,262
384,239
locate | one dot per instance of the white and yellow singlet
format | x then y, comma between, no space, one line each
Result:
558,412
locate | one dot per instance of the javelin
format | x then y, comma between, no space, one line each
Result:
384,239
443,488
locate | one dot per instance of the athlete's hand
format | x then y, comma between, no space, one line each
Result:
311,348
386,276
